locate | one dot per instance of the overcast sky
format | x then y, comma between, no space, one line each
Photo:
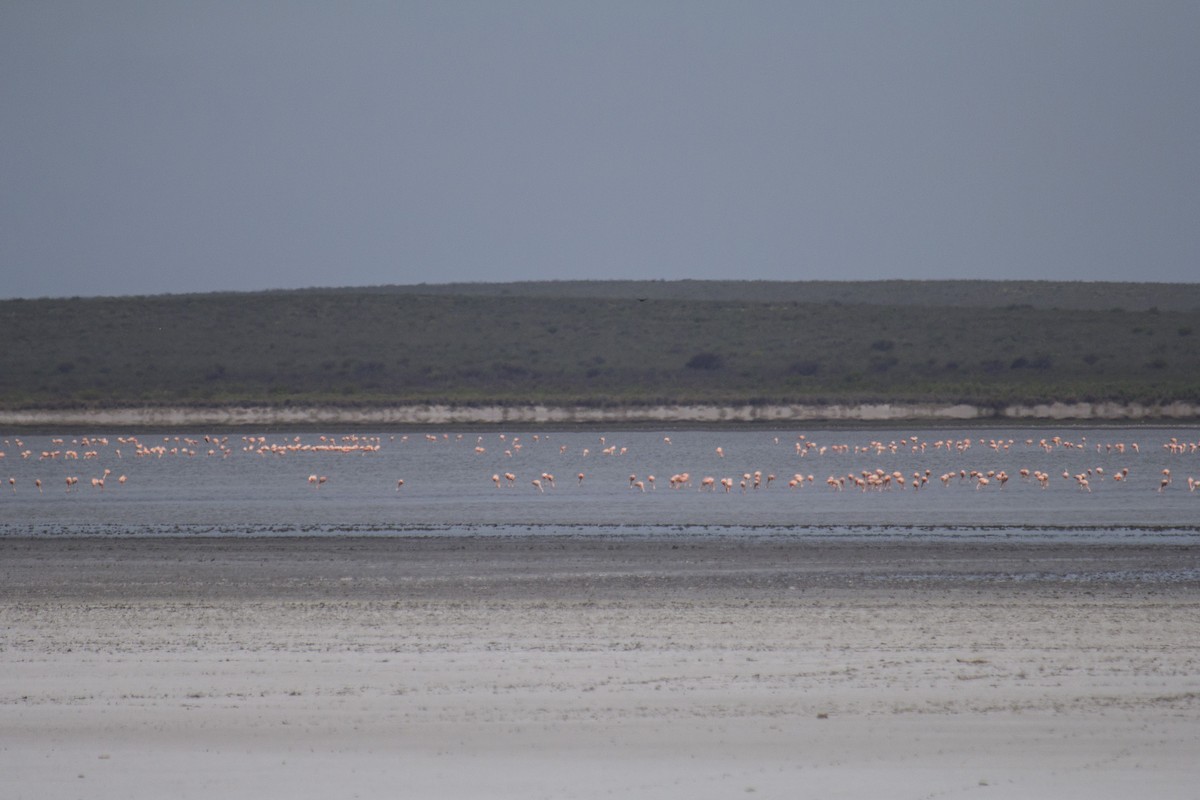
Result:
151,147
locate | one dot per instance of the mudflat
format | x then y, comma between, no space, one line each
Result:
688,665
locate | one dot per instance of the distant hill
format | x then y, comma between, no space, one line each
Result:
610,342
1078,295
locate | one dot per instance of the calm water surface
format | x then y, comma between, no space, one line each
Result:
242,484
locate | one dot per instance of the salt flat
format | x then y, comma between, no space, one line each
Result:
689,666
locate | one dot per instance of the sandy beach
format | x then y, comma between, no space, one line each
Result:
524,667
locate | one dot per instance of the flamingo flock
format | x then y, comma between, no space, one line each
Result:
880,479
802,450
87,448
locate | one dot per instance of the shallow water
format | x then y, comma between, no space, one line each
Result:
259,485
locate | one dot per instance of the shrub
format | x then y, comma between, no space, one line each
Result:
705,360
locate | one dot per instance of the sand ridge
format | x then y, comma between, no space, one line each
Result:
434,414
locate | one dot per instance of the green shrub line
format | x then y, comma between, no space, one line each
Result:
609,344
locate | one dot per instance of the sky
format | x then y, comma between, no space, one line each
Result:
150,147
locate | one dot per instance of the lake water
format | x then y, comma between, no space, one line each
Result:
258,485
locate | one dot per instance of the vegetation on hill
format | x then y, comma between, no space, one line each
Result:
606,343
1067,295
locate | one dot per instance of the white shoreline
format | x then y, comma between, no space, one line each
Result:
540,668
443,414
